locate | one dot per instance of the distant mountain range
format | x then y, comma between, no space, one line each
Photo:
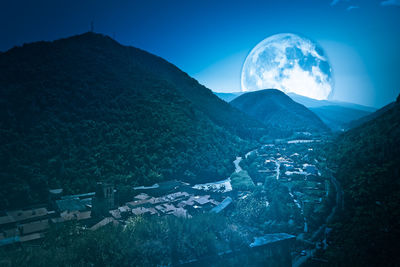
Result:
338,117
335,114
228,97
84,109
279,112
366,160
371,116
314,103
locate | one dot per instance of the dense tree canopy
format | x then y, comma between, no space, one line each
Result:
84,109
367,163
145,241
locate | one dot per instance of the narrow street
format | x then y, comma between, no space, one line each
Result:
278,169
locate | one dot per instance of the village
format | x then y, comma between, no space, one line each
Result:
97,209
292,163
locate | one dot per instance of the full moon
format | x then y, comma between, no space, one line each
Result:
290,63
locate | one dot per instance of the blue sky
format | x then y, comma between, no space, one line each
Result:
210,39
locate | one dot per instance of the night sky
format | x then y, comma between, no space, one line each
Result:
210,39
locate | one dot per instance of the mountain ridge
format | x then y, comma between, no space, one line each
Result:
335,114
279,112
371,116
311,102
367,164
85,108
228,97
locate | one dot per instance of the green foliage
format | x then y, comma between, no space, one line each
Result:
145,241
263,206
251,211
86,109
242,181
279,113
367,163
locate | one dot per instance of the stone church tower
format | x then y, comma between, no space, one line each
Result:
103,201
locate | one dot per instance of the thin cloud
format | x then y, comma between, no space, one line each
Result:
335,2
352,7
390,3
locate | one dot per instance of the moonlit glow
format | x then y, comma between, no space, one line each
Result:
290,63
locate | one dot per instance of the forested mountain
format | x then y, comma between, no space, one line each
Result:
369,117
335,114
228,97
314,103
338,117
279,113
85,109
367,163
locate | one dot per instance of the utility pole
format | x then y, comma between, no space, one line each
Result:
92,26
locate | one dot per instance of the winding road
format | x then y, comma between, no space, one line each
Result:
236,162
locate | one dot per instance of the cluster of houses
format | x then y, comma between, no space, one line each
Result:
295,170
31,223
97,209
180,204
23,225
287,165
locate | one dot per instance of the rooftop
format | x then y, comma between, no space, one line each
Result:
21,215
85,195
270,238
103,223
142,196
56,191
74,204
75,215
225,203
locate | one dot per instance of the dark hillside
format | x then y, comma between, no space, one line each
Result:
279,113
83,109
369,117
338,117
367,163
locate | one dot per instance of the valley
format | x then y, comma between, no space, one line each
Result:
128,161
278,187
293,166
